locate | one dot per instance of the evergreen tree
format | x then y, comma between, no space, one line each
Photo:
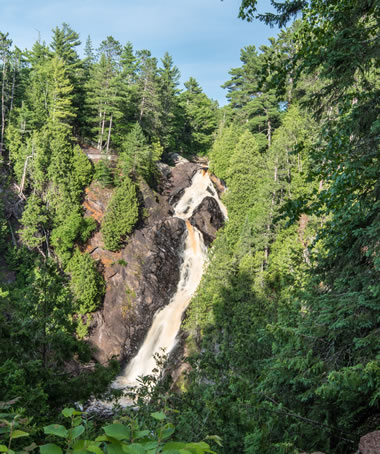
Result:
61,110
200,119
64,42
149,107
89,53
103,99
121,215
34,220
252,103
5,44
168,81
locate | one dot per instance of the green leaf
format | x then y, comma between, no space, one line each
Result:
167,432
94,449
198,448
30,447
173,446
56,429
3,448
76,432
150,445
80,444
19,434
50,448
158,415
101,438
113,448
140,434
215,438
134,448
68,412
117,431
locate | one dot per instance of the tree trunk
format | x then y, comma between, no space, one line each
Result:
24,172
109,135
13,87
269,134
100,142
3,107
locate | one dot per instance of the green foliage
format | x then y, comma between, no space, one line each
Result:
123,435
86,283
103,173
82,169
121,215
138,157
33,219
283,329
38,339
199,119
74,228
222,149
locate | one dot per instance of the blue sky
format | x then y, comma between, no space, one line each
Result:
204,37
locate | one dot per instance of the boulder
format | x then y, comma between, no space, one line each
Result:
179,180
370,443
208,219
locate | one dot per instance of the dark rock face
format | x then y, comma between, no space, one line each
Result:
142,277
179,180
208,219
370,443
145,278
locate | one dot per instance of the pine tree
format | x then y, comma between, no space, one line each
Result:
121,215
61,111
5,44
168,81
64,42
200,119
104,100
149,107
89,53
34,218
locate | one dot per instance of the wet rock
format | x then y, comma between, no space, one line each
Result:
179,180
145,280
219,185
370,443
208,218
143,276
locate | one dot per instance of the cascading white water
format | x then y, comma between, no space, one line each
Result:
167,322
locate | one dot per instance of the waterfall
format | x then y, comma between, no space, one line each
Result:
167,322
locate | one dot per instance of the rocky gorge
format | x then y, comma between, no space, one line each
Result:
142,278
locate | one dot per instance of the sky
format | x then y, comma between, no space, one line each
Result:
204,37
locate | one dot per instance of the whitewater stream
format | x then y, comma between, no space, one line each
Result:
167,321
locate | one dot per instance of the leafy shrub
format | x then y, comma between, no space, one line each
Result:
120,436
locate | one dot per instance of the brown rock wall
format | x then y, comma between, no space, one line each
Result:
143,276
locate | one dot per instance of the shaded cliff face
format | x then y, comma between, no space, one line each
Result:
143,276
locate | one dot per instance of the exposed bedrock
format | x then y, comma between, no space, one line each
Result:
143,276
208,219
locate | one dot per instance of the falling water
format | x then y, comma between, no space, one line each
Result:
167,322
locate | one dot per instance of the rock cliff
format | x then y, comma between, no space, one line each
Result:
143,276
